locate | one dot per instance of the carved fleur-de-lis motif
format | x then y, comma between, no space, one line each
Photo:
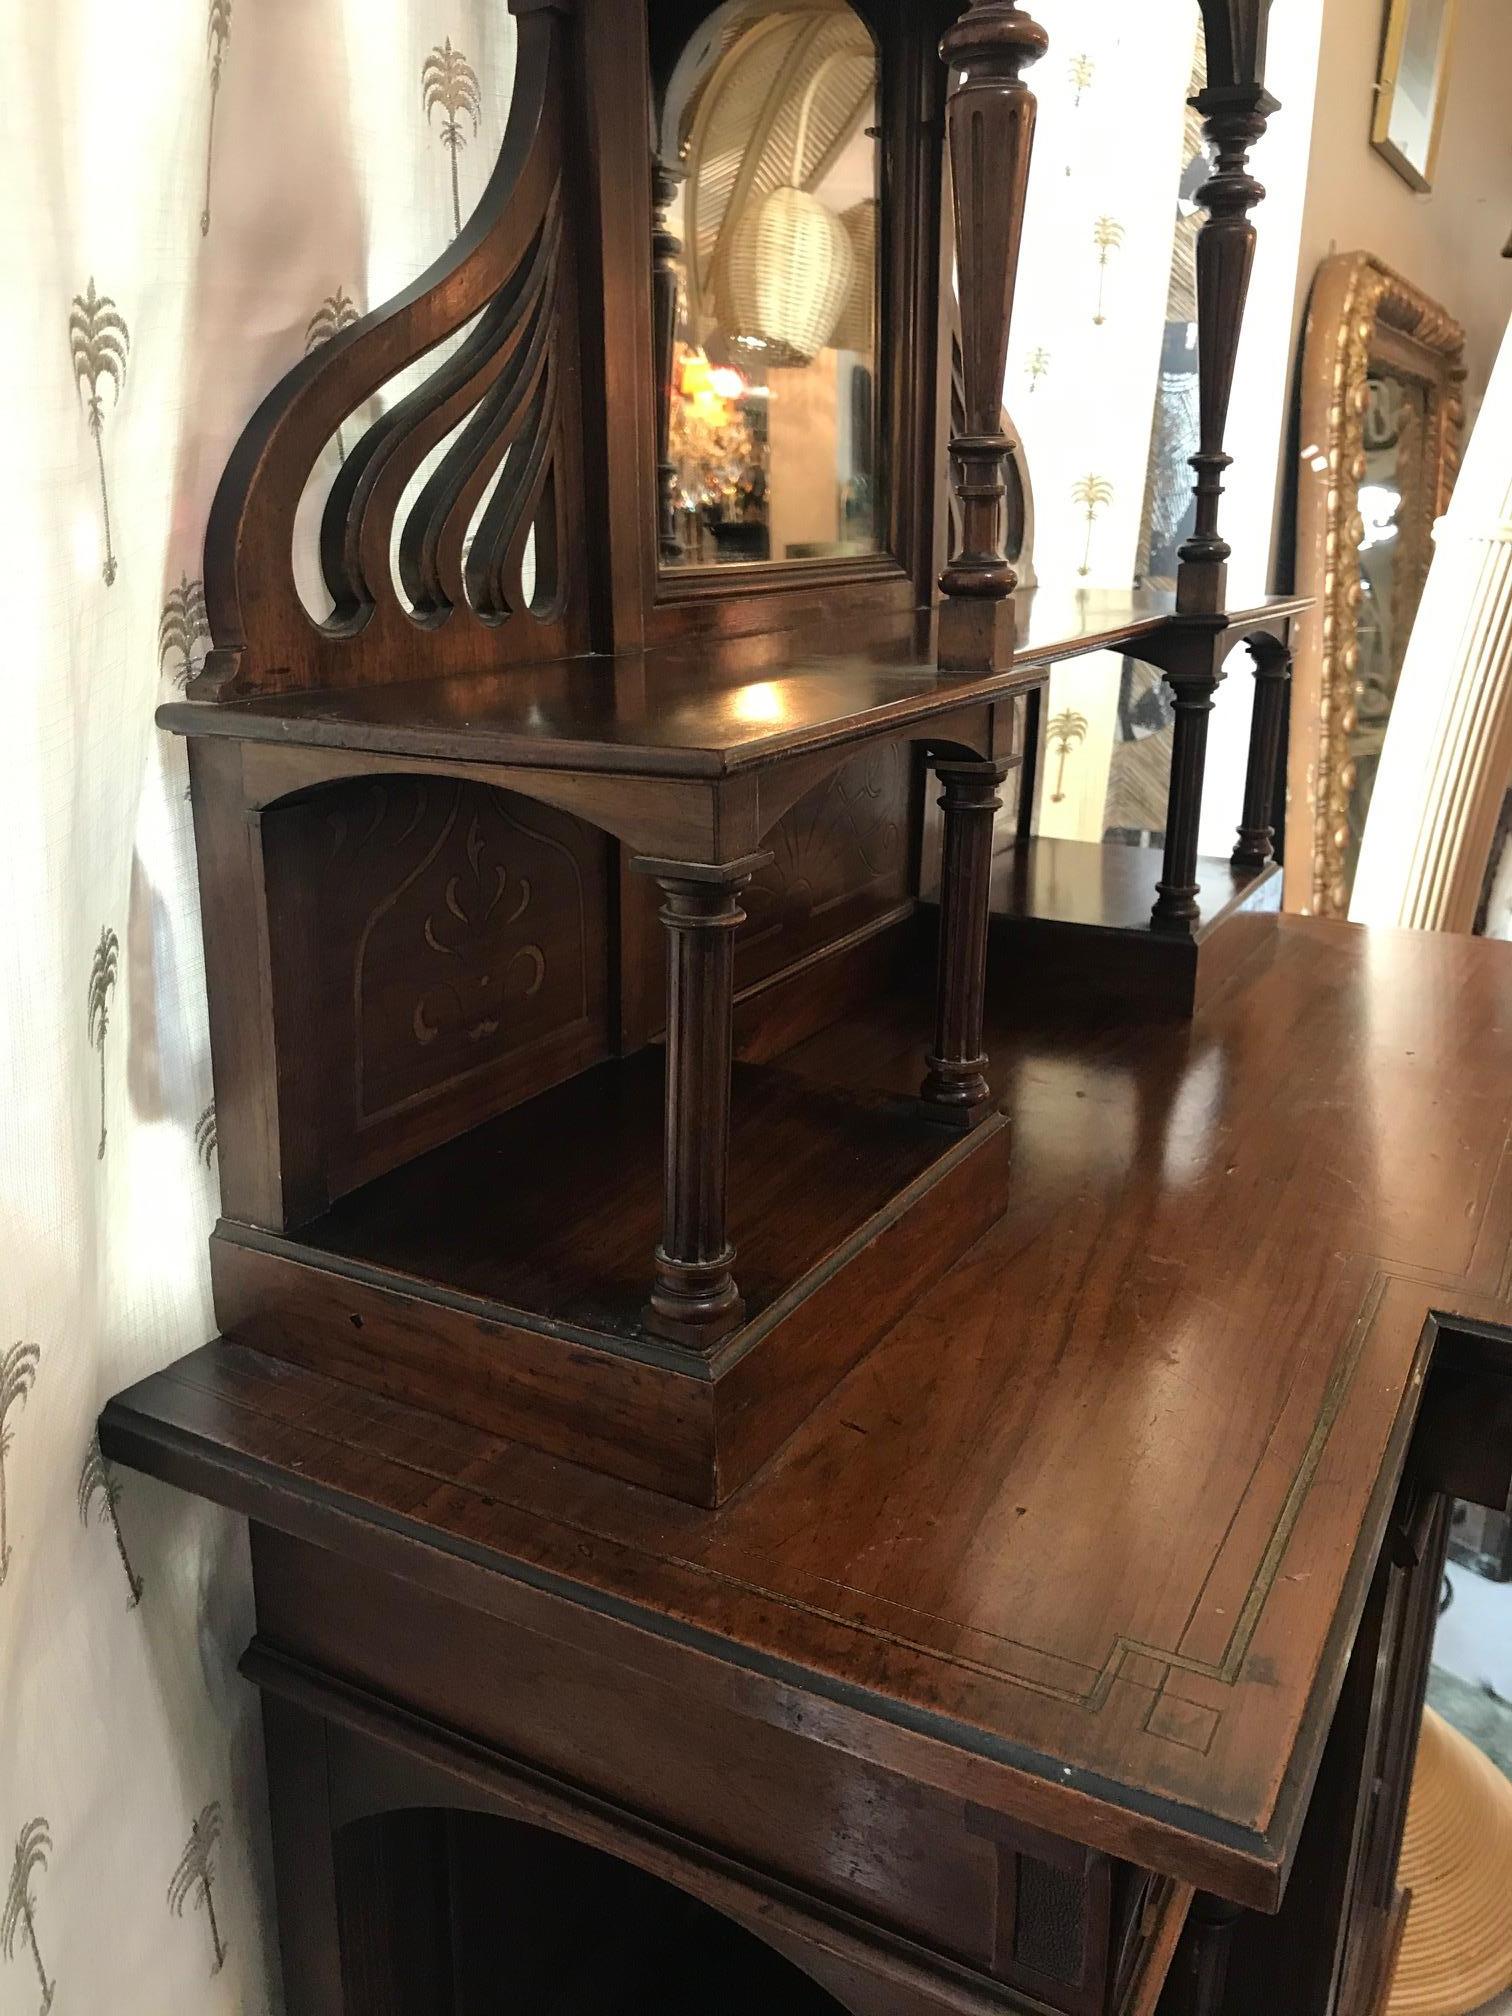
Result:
449,85
1038,365
96,1482
206,1139
1092,493
475,909
1066,729
338,311
18,1921
218,34
195,1876
1081,71
183,626
18,1373
1107,236
100,344
102,985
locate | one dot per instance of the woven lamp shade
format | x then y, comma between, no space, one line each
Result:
1457,1861
857,326
789,273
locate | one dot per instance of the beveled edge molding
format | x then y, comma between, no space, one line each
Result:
1354,296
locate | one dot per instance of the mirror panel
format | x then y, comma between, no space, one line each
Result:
771,138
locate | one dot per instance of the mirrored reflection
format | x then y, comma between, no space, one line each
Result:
771,454
1394,552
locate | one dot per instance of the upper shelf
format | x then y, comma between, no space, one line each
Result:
708,709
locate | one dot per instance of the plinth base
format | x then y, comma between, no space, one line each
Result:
501,1281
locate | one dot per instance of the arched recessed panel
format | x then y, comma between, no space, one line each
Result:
480,1913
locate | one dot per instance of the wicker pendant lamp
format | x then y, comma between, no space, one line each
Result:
857,327
770,266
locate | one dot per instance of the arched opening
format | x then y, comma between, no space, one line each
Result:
448,1913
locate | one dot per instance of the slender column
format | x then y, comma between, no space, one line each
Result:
666,250
1235,108
1273,667
1176,907
694,1299
1199,1973
956,1088
990,118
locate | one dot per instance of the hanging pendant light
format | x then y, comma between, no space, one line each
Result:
791,264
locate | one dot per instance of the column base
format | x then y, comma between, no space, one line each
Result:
956,1095
694,1305
978,633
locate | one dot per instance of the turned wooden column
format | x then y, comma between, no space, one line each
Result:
666,251
1257,835
990,116
694,1299
1176,907
956,1089
1199,1973
1235,108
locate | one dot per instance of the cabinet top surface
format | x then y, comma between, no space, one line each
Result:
1077,1537
704,709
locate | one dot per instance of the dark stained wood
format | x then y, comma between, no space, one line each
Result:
694,1299
1176,908
666,250
518,1306
990,116
1257,838
955,1087
1235,107
902,1563
1072,917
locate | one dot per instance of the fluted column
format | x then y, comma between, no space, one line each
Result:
1176,893
956,1088
1448,753
1273,667
666,251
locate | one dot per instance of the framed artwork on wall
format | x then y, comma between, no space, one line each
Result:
1416,43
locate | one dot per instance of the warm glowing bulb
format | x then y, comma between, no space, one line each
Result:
728,382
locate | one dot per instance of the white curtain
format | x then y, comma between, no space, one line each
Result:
194,189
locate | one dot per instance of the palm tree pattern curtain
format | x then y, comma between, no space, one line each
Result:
197,191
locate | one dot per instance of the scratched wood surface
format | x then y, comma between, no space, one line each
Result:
1087,1535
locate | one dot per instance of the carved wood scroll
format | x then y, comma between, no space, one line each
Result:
503,394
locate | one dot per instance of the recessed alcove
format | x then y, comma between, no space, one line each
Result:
454,1913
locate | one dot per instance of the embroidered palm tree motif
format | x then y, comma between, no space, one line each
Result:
1038,365
183,625
195,1876
449,85
218,35
100,343
102,985
1107,236
1065,731
1092,493
18,1372
95,1481
206,1139
19,1918
1081,72
338,311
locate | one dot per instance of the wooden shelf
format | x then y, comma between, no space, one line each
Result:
1074,914
702,709
501,1280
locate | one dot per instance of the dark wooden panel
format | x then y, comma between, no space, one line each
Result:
462,965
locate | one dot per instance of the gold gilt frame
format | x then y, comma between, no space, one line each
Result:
1392,43
1361,314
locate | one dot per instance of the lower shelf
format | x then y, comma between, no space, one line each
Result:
1076,914
500,1280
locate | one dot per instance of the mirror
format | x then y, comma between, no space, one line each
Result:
767,289
1381,421
1409,114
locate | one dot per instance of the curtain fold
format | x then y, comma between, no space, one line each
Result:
190,186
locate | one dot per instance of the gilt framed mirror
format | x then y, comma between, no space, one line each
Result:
1381,432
